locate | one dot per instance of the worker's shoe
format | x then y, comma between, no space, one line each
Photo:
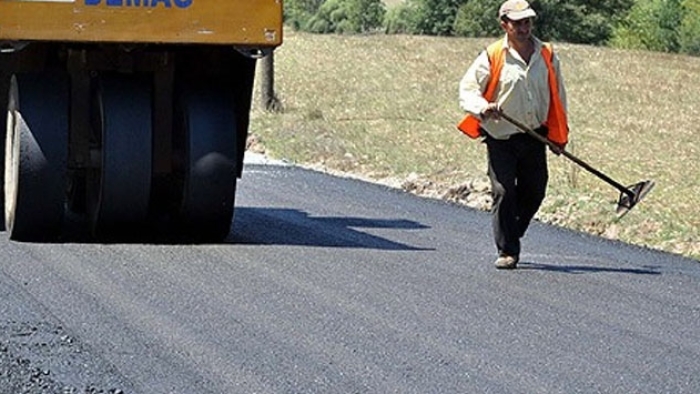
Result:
506,262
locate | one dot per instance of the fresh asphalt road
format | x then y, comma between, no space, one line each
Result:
331,285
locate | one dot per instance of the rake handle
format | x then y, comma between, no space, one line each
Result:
568,155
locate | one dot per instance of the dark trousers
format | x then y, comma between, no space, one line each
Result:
519,175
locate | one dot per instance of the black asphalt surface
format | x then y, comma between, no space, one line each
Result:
331,285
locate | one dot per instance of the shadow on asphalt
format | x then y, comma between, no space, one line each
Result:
261,226
277,226
586,269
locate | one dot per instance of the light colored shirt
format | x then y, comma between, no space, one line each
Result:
522,92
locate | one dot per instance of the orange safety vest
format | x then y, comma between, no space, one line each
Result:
556,118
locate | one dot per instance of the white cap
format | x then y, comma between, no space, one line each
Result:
516,10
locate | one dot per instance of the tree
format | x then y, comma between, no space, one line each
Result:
670,16
336,16
298,12
689,33
366,15
268,98
650,25
579,21
402,19
478,19
436,17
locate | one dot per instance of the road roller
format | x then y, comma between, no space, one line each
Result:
128,117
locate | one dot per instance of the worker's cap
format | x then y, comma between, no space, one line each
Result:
516,10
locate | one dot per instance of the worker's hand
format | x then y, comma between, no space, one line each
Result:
492,111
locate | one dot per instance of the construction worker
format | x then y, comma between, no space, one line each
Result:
519,76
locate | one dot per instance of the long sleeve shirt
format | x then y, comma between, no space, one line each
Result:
522,92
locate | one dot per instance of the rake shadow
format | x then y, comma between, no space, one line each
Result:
587,269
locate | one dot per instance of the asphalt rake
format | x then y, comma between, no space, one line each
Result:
629,196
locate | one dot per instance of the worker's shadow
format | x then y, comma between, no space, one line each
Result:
276,226
586,269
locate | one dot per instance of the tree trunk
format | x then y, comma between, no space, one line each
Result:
269,100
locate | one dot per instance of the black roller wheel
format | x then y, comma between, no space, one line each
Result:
35,156
119,189
205,118
4,95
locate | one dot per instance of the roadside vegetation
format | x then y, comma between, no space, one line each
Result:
659,25
385,107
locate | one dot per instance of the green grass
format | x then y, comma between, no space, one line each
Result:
385,108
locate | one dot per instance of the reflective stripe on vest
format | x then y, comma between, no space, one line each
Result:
556,118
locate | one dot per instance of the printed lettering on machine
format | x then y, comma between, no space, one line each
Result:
141,3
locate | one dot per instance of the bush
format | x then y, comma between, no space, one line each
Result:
436,17
366,15
478,19
689,34
577,21
650,25
402,19
335,16
297,13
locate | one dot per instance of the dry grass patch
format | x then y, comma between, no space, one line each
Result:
385,108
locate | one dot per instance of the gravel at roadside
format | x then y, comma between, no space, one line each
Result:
39,356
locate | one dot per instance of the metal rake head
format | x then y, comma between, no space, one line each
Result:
630,197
